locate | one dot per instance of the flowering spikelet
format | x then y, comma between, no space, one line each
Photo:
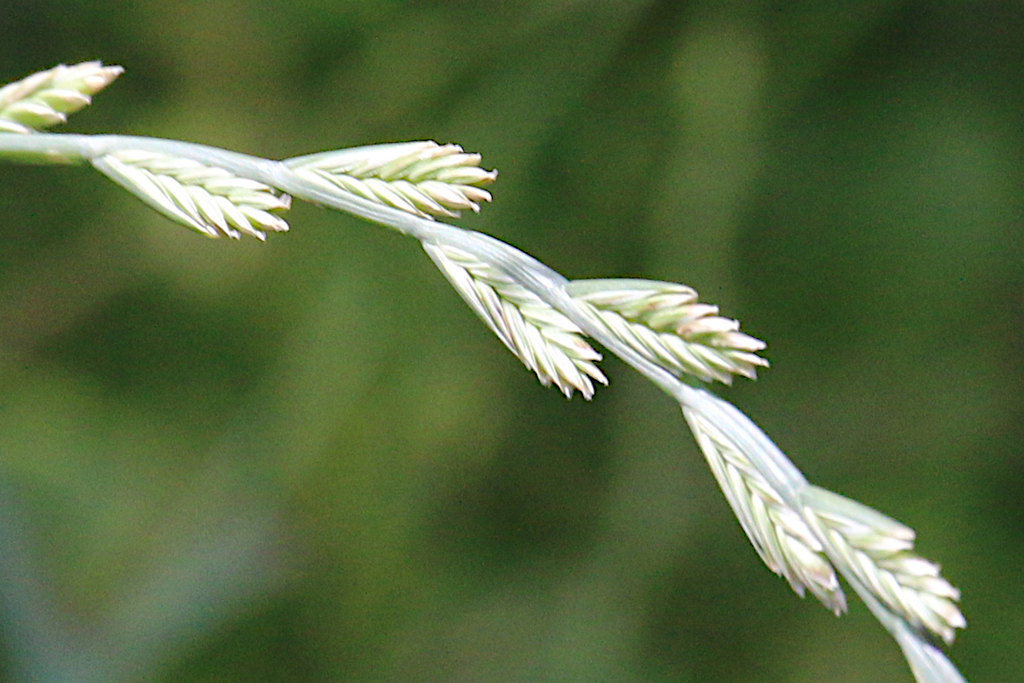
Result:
879,551
422,178
542,338
777,532
205,198
46,98
665,323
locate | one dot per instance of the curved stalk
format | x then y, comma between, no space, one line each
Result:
804,533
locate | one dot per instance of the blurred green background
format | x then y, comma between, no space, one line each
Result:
308,461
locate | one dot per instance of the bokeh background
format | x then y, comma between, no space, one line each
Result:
307,460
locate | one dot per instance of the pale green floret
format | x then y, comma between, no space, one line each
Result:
46,98
878,550
421,178
779,534
664,322
546,341
207,199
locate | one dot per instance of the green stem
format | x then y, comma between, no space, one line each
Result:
550,286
